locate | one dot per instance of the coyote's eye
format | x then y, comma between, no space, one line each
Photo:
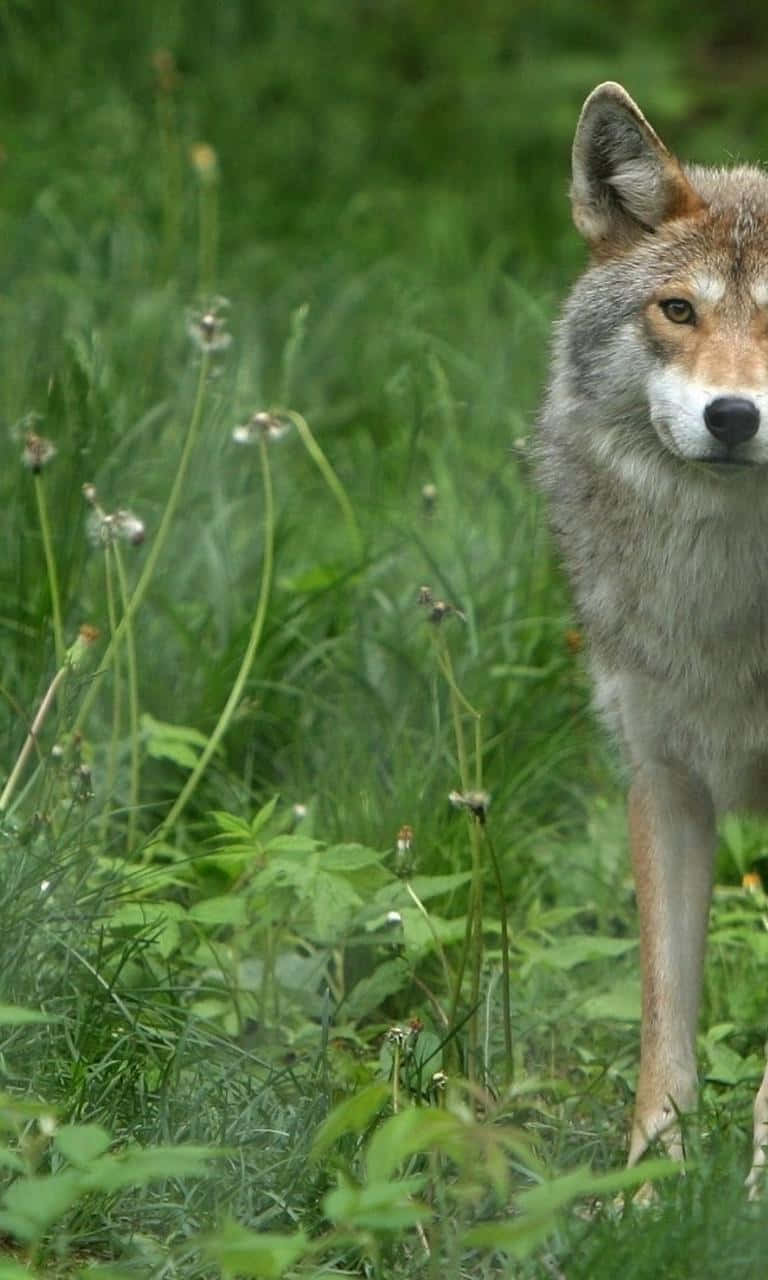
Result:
678,310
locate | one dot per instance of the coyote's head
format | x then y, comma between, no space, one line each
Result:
675,308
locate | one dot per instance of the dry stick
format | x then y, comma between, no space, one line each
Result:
257,627
31,737
158,542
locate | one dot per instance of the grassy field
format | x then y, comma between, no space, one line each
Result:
276,285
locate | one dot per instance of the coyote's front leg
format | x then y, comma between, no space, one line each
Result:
672,833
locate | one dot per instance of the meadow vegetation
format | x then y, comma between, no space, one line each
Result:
296,741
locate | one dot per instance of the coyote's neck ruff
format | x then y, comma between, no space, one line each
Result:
653,451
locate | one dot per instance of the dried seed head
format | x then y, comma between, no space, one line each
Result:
397,1035
574,640
129,527
208,328
475,802
438,609
269,426
429,498
38,451
90,494
205,162
404,839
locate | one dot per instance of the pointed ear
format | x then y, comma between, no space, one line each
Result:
625,181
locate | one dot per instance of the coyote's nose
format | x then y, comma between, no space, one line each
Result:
732,419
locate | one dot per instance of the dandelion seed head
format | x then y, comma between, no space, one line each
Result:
299,812
269,426
208,328
429,497
47,1125
394,918
129,527
38,452
475,802
45,886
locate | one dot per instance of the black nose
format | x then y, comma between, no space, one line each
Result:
732,419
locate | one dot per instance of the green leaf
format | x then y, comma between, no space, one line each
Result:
369,992
541,1205
418,1129
566,953
81,1143
351,1116
34,1204
239,1252
136,1166
174,742
384,1206
349,857
228,909
620,1004
12,1015
13,1271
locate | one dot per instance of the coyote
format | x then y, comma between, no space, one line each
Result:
652,450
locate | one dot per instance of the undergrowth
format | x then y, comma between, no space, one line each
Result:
316,929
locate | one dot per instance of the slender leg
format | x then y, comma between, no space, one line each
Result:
759,1153
672,833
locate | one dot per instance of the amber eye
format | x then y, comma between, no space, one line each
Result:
678,310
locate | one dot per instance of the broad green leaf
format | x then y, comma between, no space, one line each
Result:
353,1115
81,1143
228,909
369,992
136,1166
14,1271
175,742
34,1204
334,905
12,1015
382,1206
417,1129
566,953
620,1004
239,1252
299,846
349,857
540,1206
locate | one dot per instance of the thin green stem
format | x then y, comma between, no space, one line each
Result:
158,542
506,986
117,692
329,476
473,938
208,234
133,699
257,627
50,565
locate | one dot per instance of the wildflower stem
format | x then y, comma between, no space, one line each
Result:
50,564
329,476
506,987
257,627
157,545
292,348
31,738
208,206
117,690
473,938
133,697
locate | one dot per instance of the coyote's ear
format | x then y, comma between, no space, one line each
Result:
625,181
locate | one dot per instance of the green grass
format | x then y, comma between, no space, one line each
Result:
388,222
